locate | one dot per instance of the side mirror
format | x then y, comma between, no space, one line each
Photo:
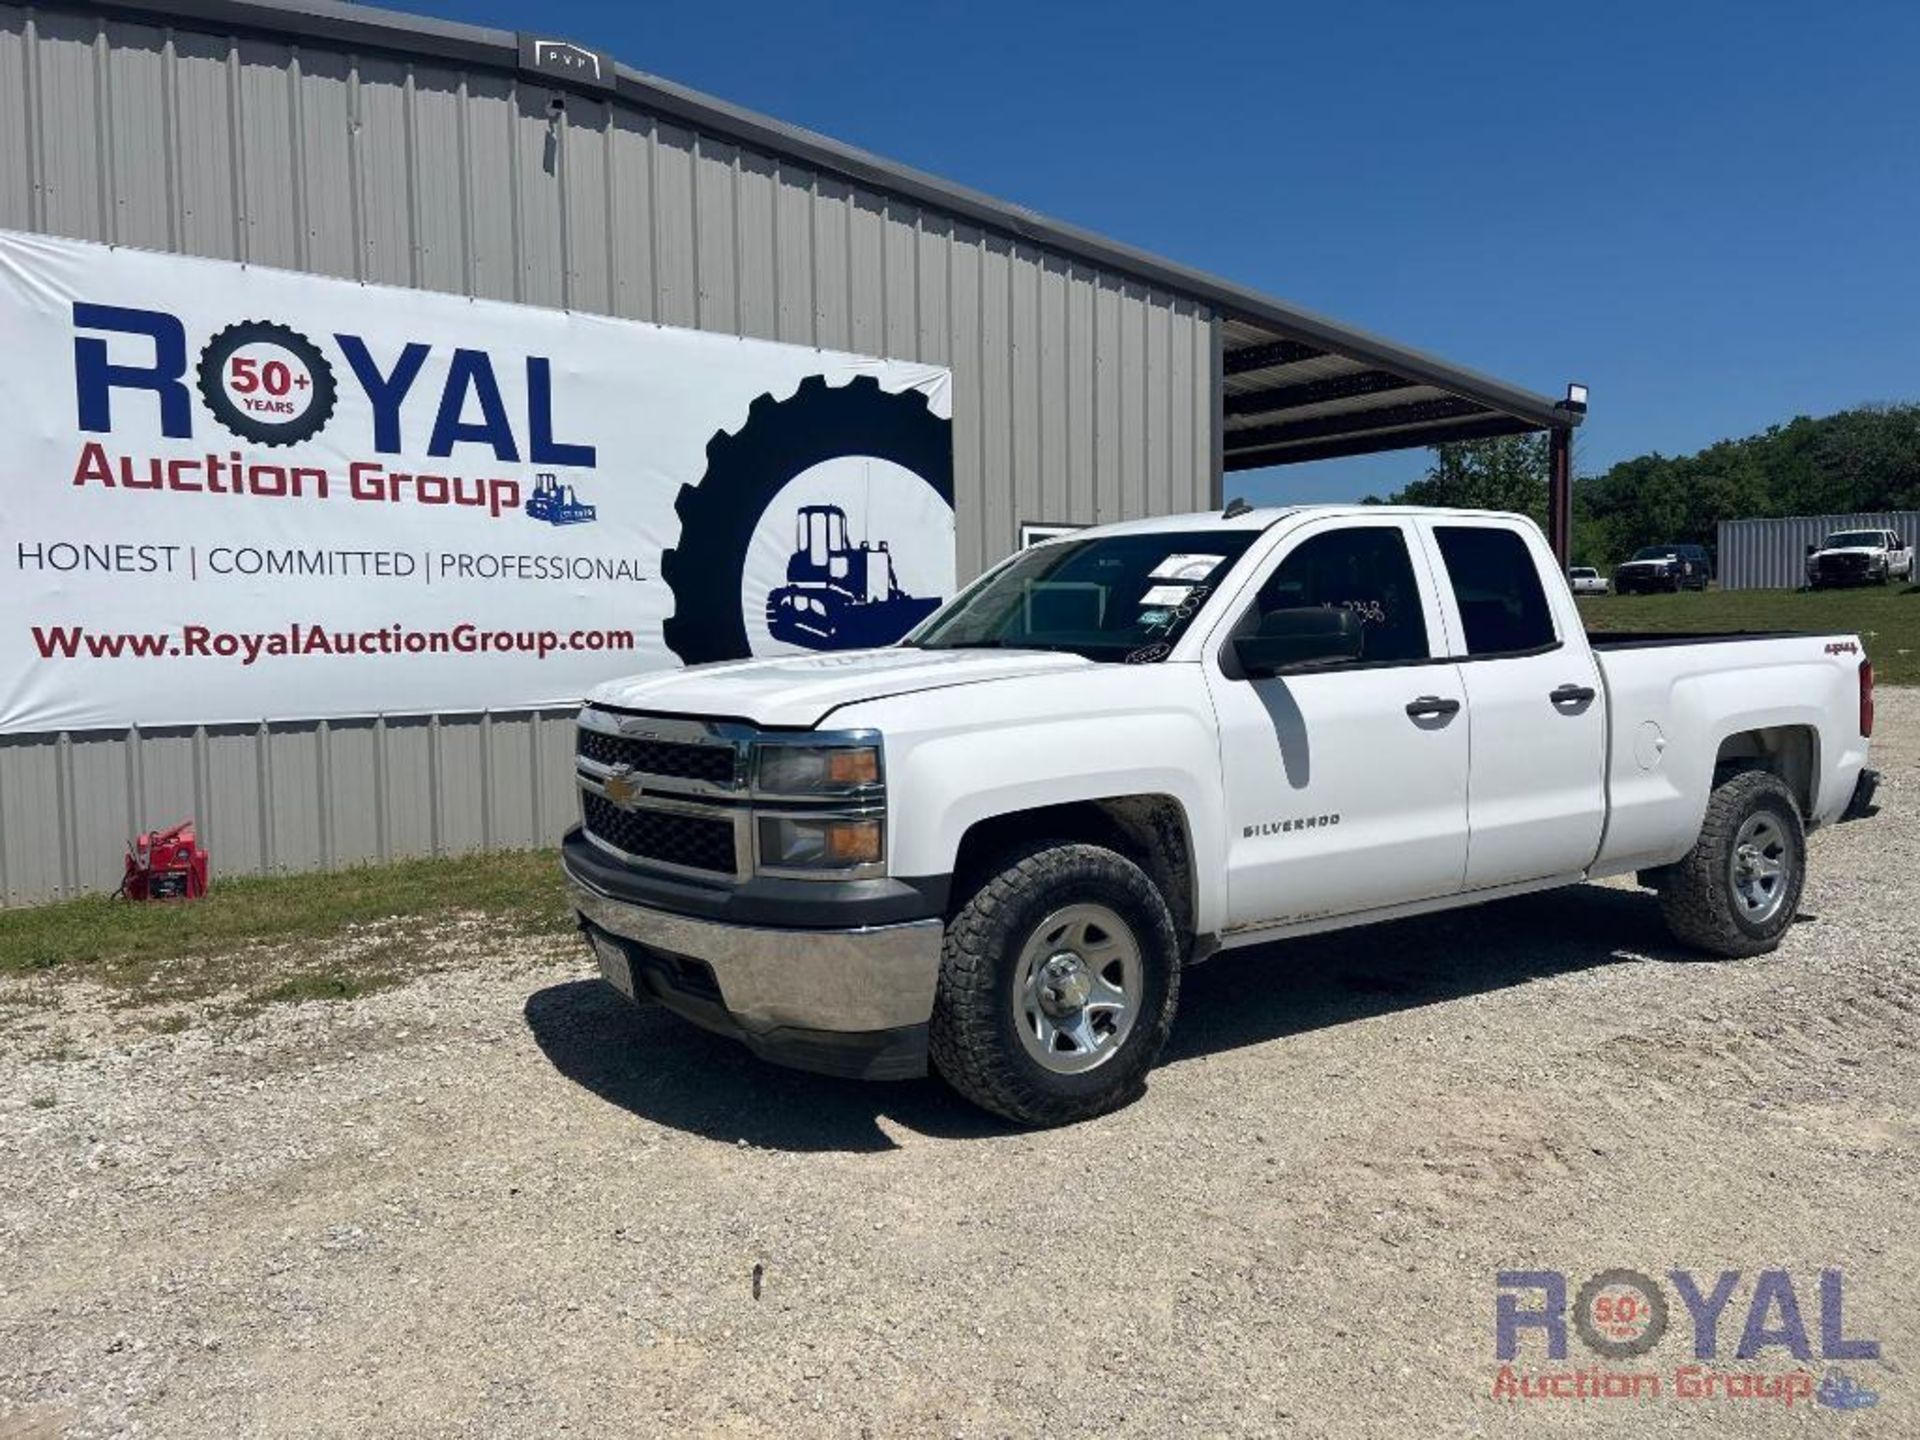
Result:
1289,639
1812,548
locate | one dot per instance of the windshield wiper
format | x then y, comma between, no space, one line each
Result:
994,644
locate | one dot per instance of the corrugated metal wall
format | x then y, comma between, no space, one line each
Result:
1772,554
1079,395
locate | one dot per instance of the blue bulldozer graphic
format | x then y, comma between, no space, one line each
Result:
839,596
556,503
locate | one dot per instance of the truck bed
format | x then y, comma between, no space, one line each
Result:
1674,699
1642,639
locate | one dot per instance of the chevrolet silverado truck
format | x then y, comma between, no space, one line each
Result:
1859,557
996,845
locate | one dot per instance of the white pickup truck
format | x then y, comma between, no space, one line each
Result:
997,844
1859,557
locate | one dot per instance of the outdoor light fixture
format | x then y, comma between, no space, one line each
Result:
1576,399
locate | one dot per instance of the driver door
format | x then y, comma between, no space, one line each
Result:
1346,784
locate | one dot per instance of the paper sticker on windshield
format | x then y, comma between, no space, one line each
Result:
1165,595
1151,618
1186,567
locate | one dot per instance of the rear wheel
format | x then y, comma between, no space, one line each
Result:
1058,984
1736,892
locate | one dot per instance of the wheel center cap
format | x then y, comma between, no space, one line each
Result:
1065,984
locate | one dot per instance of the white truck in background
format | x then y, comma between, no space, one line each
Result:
996,845
1859,557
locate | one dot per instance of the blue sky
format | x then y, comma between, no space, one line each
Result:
1708,212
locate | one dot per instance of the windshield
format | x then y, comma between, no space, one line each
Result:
1114,597
1655,552
1854,539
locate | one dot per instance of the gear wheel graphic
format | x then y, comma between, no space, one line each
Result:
1651,1296
290,430
747,467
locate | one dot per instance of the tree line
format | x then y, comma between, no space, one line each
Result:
1864,459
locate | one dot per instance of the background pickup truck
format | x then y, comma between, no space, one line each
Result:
1859,557
1671,568
997,844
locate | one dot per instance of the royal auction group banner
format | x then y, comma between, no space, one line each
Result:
230,493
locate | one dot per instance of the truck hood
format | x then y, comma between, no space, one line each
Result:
802,690
1866,551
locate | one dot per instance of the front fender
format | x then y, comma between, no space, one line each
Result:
973,753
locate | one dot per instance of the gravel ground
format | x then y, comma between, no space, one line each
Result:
497,1203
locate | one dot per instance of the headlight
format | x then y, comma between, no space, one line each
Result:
807,770
794,842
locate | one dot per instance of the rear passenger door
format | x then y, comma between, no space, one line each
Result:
1536,784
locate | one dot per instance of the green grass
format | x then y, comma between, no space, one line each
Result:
288,938
1886,618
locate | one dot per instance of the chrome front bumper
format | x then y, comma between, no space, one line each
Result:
876,978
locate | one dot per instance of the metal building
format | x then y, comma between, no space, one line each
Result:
1771,554
1092,381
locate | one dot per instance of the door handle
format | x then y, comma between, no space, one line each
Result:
1572,695
1431,707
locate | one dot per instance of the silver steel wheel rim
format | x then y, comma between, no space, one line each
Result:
1759,867
1076,991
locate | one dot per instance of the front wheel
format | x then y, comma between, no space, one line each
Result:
1736,892
1059,980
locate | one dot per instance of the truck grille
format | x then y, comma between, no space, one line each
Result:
695,841
712,764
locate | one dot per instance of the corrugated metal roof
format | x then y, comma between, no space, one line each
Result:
1293,360
1287,400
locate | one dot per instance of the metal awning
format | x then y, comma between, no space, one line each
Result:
1287,398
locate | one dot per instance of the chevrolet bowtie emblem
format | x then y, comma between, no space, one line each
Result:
622,788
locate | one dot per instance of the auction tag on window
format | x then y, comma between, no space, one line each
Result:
1165,595
1186,567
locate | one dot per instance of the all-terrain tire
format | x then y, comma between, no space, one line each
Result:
1697,895
747,467
973,1042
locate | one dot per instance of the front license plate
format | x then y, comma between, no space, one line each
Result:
614,968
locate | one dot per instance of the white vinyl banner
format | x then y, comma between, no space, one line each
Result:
230,494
